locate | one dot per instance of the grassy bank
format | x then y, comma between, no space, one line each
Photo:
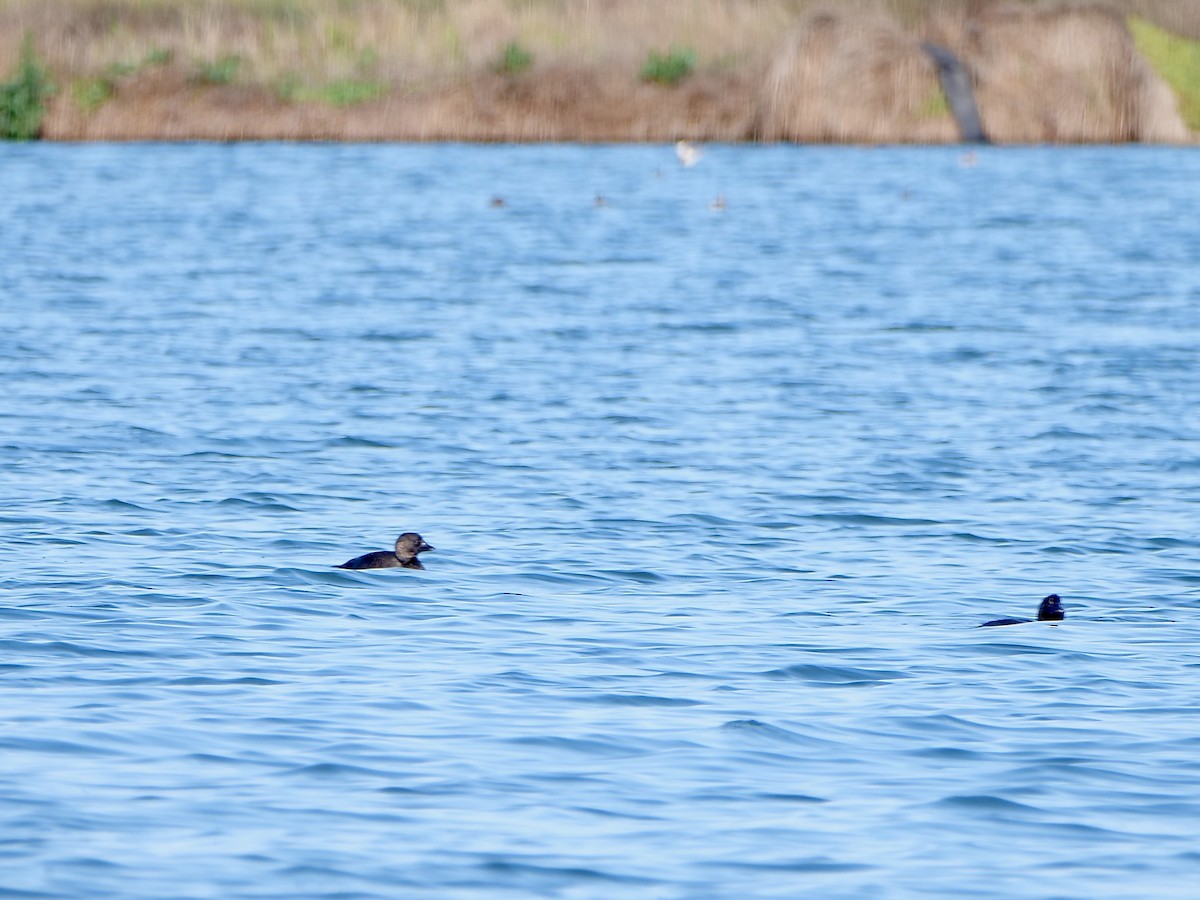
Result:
480,69
1177,60
309,46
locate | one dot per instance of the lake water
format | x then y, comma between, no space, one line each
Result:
719,497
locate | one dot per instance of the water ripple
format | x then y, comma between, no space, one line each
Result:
719,503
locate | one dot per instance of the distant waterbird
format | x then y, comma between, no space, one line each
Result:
1049,610
408,545
688,153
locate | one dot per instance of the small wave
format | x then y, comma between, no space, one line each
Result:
572,874
337,770
76,862
66,648
1010,648
441,789
614,814
638,700
790,798
702,519
985,803
1061,432
330,574
866,519
258,501
972,538
955,753
338,880
701,327
816,864
196,680
115,503
45,745
398,337
835,675
772,733
921,327
638,575
585,746
1167,543
351,441
1183,576
1060,550
539,578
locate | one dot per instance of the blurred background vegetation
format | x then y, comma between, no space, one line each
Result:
344,53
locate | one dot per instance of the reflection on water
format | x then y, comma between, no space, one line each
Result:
719,497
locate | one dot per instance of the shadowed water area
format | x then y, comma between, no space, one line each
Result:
719,497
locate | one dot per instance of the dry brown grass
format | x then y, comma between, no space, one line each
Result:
400,42
853,75
1179,16
780,69
1068,75
577,105
433,64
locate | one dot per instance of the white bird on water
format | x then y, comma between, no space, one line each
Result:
689,154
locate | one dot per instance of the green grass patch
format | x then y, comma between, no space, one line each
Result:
23,98
513,60
1177,60
222,70
157,56
367,59
288,88
669,68
934,106
284,12
350,91
153,58
92,93
339,39
120,69
342,92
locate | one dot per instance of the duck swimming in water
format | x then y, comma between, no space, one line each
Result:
1050,610
408,545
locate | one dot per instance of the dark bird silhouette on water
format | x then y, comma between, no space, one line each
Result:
1050,610
408,545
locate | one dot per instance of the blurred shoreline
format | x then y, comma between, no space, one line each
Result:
605,70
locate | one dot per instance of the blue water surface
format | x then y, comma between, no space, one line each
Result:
719,497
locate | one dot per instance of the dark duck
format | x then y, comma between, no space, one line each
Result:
1050,610
408,545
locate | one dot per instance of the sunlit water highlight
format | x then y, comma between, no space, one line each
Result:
719,497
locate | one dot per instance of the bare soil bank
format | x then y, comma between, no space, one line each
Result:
370,70
571,104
